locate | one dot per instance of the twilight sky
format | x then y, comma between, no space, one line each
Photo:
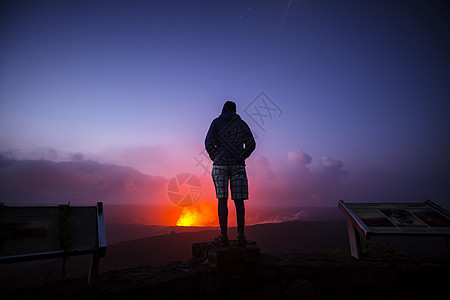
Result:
358,105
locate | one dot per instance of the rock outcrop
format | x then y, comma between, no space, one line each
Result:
242,273
225,257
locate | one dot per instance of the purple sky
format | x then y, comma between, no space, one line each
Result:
361,88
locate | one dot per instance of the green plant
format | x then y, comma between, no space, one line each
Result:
386,250
331,252
365,247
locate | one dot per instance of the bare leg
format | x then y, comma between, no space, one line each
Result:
223,216
240,214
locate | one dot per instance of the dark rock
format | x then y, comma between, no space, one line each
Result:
225,257
294,276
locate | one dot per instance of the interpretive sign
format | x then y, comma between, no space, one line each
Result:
30,233
393,219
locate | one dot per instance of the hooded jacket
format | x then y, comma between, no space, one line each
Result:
229,140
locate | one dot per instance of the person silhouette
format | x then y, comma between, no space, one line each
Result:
229,142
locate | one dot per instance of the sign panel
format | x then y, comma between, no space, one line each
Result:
408,218
393,219
33,230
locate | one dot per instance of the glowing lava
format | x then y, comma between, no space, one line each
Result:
203,214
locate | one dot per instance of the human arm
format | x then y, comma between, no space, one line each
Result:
249,142
210,141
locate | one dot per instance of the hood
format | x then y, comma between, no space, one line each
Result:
229,115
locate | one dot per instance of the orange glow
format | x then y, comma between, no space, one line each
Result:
202,214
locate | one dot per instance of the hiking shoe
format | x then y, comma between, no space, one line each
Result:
242,241
221,240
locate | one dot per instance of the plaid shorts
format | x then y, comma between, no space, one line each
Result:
238,181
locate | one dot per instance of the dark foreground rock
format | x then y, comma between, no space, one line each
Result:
249,275
225,257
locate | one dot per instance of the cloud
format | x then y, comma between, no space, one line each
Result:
331,169
76,156
297,180
81,182
299,158
294,181
42,153
167,160
302,181
261,167
45,153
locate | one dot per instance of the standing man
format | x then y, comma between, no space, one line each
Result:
229,143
